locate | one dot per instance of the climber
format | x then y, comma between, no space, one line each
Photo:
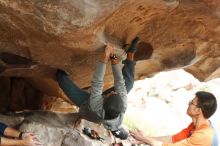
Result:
107,107
200,132
17,138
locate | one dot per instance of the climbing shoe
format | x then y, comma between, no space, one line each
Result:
132,48
120,133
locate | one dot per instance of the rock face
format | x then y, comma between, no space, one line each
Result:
57,129
37,37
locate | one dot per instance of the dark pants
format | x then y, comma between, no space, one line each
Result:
79,96
2,129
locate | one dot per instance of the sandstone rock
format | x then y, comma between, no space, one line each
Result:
70,34
38,37
56,129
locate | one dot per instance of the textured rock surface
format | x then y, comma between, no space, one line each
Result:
38,37
54,129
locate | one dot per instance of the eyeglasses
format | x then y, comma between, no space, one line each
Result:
191,102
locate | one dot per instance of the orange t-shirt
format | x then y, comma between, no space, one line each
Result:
202,136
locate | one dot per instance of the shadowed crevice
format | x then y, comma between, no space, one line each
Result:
144,51
13,59
182,58
9,61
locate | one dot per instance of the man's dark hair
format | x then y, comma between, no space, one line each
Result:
113,106
207,102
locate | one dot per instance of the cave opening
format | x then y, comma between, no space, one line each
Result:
17,94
